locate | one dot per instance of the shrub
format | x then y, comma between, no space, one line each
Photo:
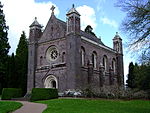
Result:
0,90
9,93
43,94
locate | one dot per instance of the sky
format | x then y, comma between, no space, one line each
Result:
102,15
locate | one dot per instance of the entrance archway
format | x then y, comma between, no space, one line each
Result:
51,82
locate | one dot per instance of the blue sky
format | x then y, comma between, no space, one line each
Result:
102,15
108,17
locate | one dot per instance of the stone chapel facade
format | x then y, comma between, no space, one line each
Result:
65,57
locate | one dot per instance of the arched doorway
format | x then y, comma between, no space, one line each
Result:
51,82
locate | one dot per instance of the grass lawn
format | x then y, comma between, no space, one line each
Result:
7,106
96,106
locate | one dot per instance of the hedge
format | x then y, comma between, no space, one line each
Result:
9,93
0,91
43,94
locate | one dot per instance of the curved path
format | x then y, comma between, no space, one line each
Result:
29,107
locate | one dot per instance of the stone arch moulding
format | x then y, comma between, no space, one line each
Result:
49,82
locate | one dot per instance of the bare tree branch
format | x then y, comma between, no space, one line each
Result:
137,23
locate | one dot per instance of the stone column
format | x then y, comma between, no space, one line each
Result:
101,75
111,76
90,71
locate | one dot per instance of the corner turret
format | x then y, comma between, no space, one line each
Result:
117,44
35,31
73,21
34,36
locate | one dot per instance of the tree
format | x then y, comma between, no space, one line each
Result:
143,77
22,62
137,24
131,76
89,29
139,76
12,75
4,48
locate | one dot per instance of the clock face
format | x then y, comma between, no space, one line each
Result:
52,53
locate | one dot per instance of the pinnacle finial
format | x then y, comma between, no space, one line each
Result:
117,35
35,18
52,8
72,5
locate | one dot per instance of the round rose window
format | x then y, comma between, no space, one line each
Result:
52,53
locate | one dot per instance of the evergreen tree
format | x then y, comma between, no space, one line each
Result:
22,62
4,49
143,79
12,75
131,76
139,76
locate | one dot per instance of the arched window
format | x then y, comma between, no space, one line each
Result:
105,62
63,57
94,59
117,46
82,56
114,65
41,58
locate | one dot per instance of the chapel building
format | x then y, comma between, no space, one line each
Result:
63,56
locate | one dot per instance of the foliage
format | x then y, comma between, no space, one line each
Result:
88,92
43,94
131,76
8,106
89,29
137,24
109,92
145,57
11,73
117,92
95,106
9,93
21,60
4,48
141,79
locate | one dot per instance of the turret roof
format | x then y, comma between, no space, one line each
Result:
35,23
117,36
73,10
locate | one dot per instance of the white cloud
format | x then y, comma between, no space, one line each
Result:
19,15
88,16
99,4
107,21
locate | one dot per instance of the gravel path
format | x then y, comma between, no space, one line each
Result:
29,107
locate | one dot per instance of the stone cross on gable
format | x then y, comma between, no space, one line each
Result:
52,8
